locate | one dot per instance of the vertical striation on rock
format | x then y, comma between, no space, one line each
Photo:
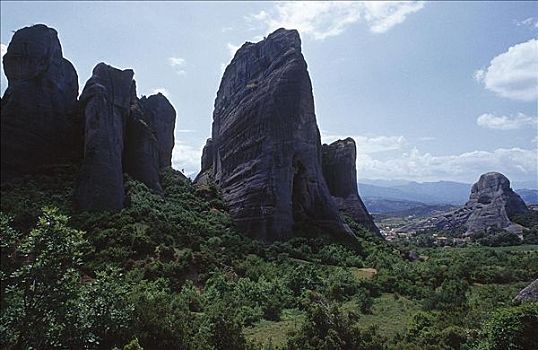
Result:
121,134
39,107
340,172
106,104
265,145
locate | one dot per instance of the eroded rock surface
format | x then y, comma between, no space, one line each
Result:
265,145
160,115
529,293
39,107
142,155
106,104
492,204
121,134
340,172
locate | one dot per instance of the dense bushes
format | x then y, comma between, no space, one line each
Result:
172,272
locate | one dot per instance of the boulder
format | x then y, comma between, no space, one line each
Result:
39,106
529,293
160,116
265,145
340,173
106,104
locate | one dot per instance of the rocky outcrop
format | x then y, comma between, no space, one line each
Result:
160,115
529,293
492,204
340,172
265,145
142,153
106,105
39,107
121,134
205,177
43,124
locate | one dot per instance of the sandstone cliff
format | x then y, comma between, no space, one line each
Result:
340,172
265,149
39,107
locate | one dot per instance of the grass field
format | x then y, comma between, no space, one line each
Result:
390,314
275,333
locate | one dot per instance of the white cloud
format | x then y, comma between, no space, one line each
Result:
232,49
323,19
178,64
222,67
186,158
416,165
394,157
514,73
3,79
160,90
369,144
503,122
383,15
528,22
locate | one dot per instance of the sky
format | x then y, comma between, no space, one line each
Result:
429,90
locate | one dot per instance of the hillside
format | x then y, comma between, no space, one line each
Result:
105,246
173,271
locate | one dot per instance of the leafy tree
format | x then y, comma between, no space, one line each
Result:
511,328
42,298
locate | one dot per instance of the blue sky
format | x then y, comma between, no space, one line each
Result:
430,91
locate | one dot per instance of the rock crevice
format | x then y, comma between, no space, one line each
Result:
265,149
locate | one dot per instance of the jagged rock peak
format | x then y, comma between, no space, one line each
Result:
340,172
122,134
265,147
39,106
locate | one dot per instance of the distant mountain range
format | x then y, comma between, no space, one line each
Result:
384,196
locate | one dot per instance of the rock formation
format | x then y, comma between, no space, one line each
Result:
142,153
265,148
43,124
492,204
121,134
39,107
340,172
529,293
160,115
106,104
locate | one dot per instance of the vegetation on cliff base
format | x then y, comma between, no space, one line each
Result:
172,273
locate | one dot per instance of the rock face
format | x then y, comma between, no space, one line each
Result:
160,115
121,134
265,150
142,154
492,204
106,104
39,107
340,172
529,293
